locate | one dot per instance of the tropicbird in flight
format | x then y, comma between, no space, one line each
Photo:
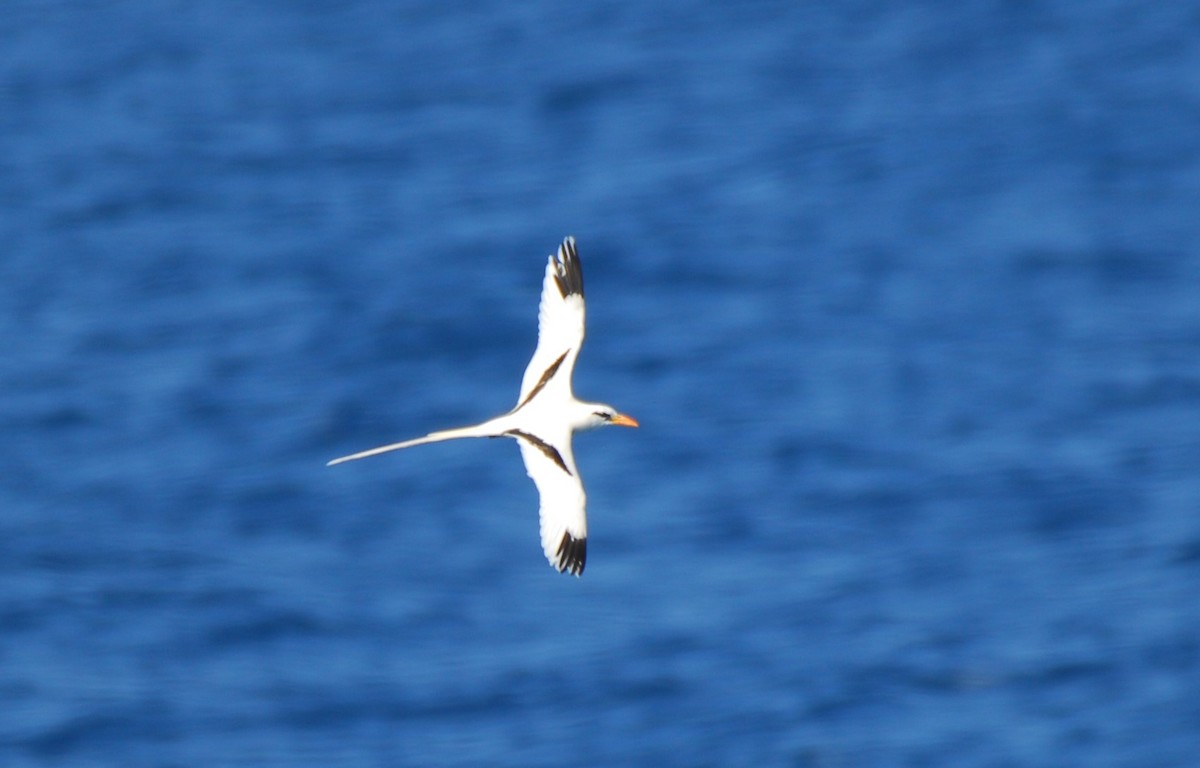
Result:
547,414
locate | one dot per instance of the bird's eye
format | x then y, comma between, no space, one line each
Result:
605,416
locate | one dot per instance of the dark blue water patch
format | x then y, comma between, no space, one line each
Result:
567,99
87,736
1065,504
262,627
1188,554
1113,266
261,508
1164,391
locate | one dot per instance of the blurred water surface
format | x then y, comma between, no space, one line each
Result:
905,296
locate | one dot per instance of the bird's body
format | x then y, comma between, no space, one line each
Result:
546,416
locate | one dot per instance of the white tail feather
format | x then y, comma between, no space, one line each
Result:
478,430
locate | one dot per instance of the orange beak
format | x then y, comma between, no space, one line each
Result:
624,421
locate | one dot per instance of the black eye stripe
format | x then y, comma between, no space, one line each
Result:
604,415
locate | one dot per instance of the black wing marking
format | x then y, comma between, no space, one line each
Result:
567,271
549,374
550,451
572,554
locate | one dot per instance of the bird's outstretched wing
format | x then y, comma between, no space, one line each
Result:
560,322
563,511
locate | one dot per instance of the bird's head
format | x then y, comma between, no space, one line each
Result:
601,415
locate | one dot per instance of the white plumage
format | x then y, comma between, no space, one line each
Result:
547,414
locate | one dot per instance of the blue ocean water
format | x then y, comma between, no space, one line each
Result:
906,297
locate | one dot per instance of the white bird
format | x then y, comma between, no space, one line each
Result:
547,414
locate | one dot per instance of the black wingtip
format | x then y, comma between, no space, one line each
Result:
572,555
567,271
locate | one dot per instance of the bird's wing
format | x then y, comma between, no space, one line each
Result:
560,322
563,511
